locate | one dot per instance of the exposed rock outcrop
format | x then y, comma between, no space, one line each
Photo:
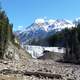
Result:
15,52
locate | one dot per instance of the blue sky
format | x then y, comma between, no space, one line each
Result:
24,12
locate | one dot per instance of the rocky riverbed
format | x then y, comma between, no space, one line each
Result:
34,69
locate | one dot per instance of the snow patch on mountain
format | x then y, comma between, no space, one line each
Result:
51,21
77,19
37,21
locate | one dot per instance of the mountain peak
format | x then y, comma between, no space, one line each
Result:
53,21
40,20
41,28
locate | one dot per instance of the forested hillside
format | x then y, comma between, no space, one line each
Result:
70,39
5,32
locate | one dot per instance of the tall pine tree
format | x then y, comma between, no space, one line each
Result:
5,32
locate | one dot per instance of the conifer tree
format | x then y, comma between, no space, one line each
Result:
5,32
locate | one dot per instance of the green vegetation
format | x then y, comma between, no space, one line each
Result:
6,35
5,32
72,45
70,39
56,39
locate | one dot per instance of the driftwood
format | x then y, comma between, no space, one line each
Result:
30,73
43,74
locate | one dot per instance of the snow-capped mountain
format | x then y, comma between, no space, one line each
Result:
38,31
41,28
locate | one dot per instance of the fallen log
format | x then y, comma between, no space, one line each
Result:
30,73
43,74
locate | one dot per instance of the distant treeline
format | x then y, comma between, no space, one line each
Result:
70,39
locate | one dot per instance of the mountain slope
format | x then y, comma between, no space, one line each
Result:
40,29
14,52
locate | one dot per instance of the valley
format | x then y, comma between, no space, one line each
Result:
44,48
34,69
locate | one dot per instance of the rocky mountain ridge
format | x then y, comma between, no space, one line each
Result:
33,33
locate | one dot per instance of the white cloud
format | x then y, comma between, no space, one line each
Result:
20,27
